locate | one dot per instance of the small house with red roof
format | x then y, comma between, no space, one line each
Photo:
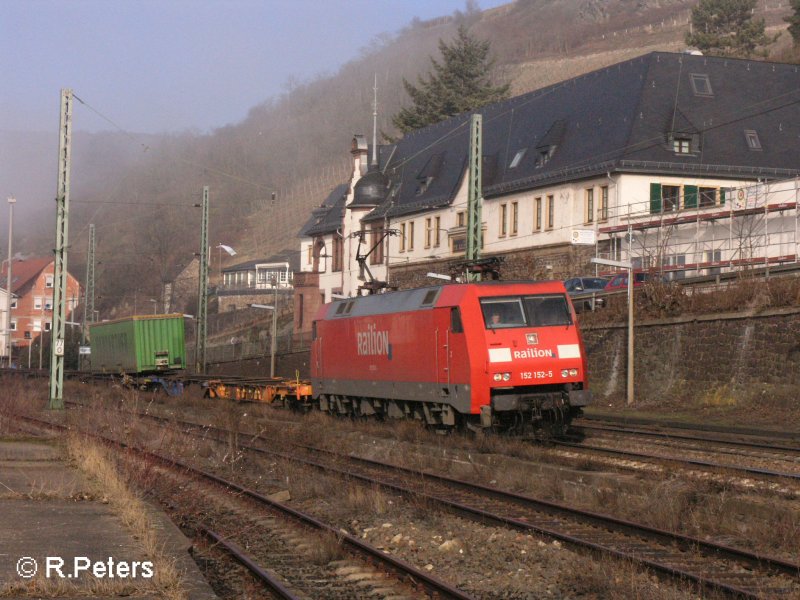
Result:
32,283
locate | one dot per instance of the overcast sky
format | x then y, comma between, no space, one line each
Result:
155,66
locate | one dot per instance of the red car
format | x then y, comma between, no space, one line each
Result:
620,280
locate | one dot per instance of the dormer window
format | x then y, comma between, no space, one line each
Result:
517,158
751,135
429,172
701,84
544,156
423,186
683,142
682,145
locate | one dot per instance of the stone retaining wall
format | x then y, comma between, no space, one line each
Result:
692,356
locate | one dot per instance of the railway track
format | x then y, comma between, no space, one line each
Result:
416,581
274,584
748,458
733,571
703,431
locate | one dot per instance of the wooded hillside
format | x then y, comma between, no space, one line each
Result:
296,145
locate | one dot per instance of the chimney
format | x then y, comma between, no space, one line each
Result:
359,151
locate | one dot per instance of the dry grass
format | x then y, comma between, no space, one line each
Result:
658,300
612,579
692,507
42,587
94,460
367,500
327,549
19,396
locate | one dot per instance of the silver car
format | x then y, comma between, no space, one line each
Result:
586,292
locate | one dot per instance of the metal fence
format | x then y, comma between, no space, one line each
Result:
237,349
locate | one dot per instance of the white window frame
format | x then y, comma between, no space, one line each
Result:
588,217
514,218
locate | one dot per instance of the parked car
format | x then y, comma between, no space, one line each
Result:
583,292
620,280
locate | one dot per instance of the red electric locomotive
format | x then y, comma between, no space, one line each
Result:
501,355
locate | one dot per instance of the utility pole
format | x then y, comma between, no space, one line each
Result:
629,267
11,202
202,294
474,199
62,242
88,302
273,341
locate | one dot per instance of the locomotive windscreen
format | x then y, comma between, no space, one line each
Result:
526,311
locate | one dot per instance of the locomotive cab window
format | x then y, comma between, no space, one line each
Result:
526,311
544,311
499,313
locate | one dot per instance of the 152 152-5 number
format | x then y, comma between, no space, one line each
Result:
536,374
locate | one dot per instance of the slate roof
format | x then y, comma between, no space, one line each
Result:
327,218
611,120
616,119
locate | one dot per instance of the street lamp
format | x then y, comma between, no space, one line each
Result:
155,304
11,202
274,331
439,276
629,267
230,251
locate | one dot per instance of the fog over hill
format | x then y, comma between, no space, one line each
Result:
140,190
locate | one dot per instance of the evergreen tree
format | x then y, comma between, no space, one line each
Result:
727,27
794,21
460,82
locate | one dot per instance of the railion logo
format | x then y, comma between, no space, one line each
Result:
373,343
535,353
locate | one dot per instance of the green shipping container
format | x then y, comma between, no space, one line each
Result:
140,344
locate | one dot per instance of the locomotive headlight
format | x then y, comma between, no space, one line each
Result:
565,373
573,372
498,376
506,376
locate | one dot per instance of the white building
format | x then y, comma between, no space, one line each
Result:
678,162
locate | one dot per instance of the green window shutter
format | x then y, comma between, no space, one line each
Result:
655,197
722,193
690,196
